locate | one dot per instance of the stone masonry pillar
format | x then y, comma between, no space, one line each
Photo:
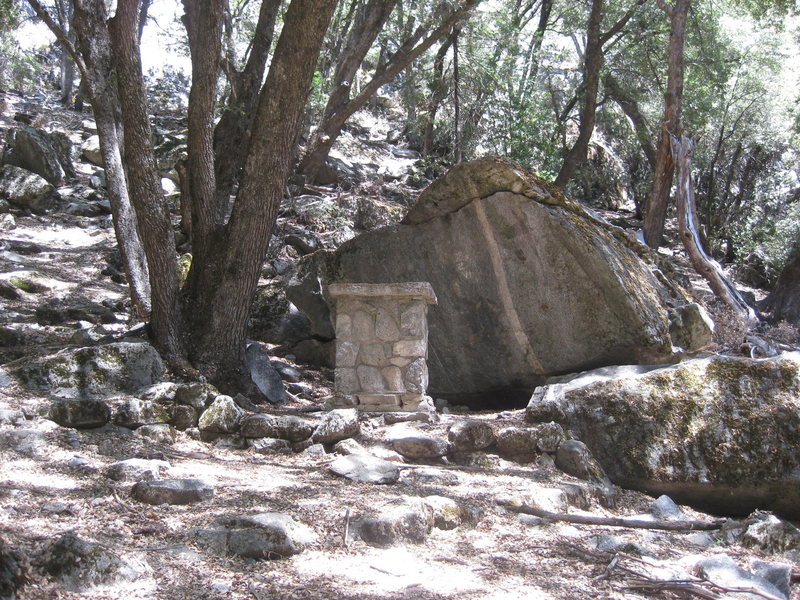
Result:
381,344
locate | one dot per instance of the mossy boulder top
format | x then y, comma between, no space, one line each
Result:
530,284
722,433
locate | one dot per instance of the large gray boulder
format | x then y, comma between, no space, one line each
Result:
530,284
121,367
721,433
26,190
43,153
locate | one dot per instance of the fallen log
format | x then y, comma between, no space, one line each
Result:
686,525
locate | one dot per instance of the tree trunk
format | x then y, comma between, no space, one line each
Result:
593,61
329,129
153,218
438,94
688,226
631,109
233,130
784,300
219,294
458,151
673,99
95,64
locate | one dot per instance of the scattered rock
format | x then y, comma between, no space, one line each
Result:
446,512
121,367
28,442
82,566
336,425
172,491
137,469
549,436
365,468
467,436
182,417
763,531
665,509
293,428
574,458
40,152
723,571
349,446
133,413
315,450
269,446
429,476
259,536
196,395
778,574
258,426
221,417
518,442
264,375
160,433
420,446
12,572
401,521
90,150
10,416
80,413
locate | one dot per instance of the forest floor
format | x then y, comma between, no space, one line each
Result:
58,485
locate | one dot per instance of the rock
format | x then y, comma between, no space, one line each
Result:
504,232
337,425
182,417
80,413
446,512
517,442
764,531
162,434
121,367
718,433
13,574
90,150
365,468
778,574
264,375
133,413
221,417
269,446
196,395
691,327
258,426
81,566
27,190
549,436
259,536
574,458
665,509
400,521
723,571
10,416
391,418
137,469
172,491
467,436
429,476
28,442
420,446
46,154
315,450
293,428
349,446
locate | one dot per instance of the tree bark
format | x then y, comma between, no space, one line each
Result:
153,218
233,130
438,94
784,300
631,109
220,291
673,100
688,226
93,58
329,129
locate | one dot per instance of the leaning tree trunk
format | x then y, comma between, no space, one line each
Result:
673,100
93,58
152,213
688,226
784,300
219,294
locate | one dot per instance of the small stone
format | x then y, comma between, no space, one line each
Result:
258,426
366,469
404,520
81,566
349,446
412,348
574,458
133,413
222,416
315,450
386,328
81,413
337,425
467,436
258,536
447,513
420,446
162,434
28,442
518,442
269,446
777,573
172,491
137,469
346,354
723,571
196,395
665,509
431,477
549,436
293,428
182,417
264,375
370,379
